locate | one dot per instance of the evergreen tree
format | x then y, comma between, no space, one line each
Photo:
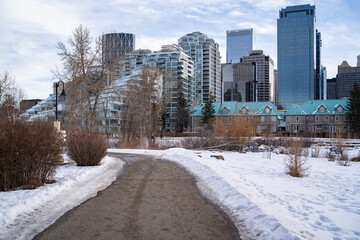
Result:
182,114
353,109
208,111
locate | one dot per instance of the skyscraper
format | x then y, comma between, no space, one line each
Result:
265,75
345,79
239,82
296,54
239,43
320,71
205,53
115,45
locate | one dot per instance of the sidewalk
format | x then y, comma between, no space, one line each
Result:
153,199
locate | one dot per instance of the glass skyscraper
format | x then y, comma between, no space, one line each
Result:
296,54
239,43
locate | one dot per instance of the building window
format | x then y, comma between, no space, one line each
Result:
297,118
313,129
229,119
339,109
295,128
336,118
333,129
327,118
325,128
317,118
262,119
321,109
225,110
267,110
243,110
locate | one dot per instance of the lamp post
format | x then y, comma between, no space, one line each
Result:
57,84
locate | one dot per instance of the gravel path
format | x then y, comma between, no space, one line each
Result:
152,199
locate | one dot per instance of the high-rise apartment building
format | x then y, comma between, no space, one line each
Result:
239,43
265,75
345,79
205,53
134,60
115,45
178,77
296,54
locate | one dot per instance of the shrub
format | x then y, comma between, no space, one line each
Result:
206,138
29,153
295,162
315,151
87,148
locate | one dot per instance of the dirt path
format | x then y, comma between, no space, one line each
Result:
153,199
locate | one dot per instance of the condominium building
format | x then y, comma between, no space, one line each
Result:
205,53
296,54
239,43
265,84
133,60
178,77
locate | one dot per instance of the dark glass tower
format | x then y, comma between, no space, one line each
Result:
296,54
115,45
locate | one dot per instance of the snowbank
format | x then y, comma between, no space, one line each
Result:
265,203
24,213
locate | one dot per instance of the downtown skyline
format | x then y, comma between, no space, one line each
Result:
31,29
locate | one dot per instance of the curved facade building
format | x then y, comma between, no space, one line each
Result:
115,45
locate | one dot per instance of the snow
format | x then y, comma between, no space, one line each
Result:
24,213
265,203
254,191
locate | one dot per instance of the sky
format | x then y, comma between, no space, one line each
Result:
30,29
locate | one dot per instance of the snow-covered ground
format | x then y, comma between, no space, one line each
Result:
24,213
265,203
261,199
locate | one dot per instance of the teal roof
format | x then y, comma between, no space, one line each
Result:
227,108
196,111
234,108
257,108
312,107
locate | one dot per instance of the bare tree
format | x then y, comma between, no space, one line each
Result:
10,97
86,76
296,163
141,113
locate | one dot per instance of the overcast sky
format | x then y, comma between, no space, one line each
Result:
30,29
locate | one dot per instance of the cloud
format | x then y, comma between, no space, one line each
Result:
30,29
